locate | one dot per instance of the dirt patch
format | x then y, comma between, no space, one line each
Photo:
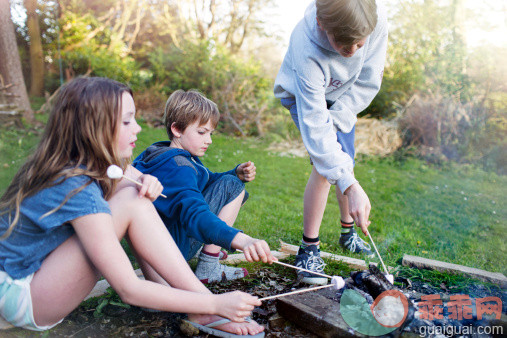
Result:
118,321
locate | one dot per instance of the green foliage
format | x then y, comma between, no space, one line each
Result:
99,303
457,282
85,51
444,128
15,146
240,89
424,54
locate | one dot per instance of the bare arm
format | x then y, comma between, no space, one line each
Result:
100,241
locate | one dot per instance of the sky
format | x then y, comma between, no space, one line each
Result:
289,13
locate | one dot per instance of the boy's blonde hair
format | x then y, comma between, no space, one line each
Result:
184,108
349,21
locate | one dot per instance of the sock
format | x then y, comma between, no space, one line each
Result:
209,270
210,254
347,226
307,241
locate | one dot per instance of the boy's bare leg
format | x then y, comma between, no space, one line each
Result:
315,200
343,203
208,268
349,239
228,214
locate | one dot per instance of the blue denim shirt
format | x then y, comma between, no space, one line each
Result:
35,237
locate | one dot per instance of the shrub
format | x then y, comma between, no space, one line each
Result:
443,127
239,87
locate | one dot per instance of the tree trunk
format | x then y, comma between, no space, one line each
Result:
36,53
459,32
10,64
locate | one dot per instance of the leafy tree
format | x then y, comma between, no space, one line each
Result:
238,86
99,46
426,52
12,84
36,52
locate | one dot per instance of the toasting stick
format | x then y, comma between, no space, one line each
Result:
298,291
298,268
389,277
115,172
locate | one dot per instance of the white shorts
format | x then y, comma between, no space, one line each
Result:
16,302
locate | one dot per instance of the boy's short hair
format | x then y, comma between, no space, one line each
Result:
349,21
185,107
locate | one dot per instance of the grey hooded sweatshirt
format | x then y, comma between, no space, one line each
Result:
312,72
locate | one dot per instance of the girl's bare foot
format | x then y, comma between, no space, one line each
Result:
243,328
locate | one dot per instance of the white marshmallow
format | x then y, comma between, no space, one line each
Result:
114,172
338,282
390,278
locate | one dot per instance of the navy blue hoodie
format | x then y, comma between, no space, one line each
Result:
185,212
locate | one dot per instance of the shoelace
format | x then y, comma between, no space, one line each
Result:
314,263
357,242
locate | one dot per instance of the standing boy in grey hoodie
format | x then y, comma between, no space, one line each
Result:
331,72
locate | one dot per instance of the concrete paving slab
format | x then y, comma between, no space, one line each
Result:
425,263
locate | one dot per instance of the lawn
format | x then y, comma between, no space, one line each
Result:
453,213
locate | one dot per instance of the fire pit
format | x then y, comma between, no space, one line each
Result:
423,310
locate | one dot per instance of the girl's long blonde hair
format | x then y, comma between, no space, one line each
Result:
79,139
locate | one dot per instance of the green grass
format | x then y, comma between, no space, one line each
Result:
452,213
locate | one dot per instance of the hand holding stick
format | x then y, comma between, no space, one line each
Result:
115,172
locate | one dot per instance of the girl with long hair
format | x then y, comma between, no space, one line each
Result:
62,218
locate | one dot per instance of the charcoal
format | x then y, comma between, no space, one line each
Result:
371,283
366,295
376,282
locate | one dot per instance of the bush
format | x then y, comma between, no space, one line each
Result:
102,55
444,128
239,87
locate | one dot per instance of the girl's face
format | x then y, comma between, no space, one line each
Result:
129,128
195,138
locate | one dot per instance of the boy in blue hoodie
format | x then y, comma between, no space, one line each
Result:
201,206
331,72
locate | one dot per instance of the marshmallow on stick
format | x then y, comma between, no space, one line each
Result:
114,172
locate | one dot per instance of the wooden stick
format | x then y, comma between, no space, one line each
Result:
297,291
298,268
374,246
138,183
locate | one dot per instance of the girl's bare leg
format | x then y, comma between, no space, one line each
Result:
67,276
